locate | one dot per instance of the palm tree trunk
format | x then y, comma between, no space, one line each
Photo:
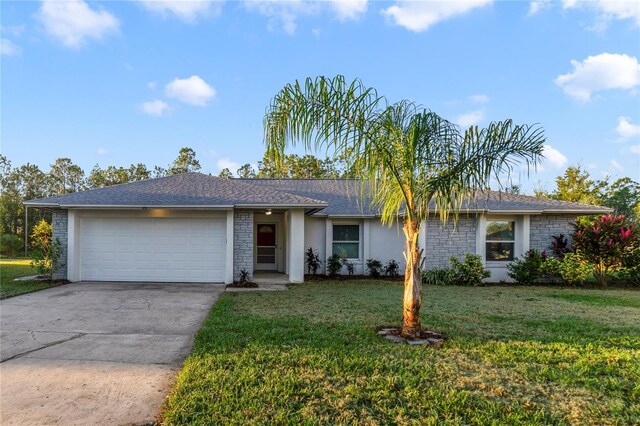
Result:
412,298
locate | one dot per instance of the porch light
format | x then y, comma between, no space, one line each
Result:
268,212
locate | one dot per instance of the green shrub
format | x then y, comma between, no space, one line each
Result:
374,266
471,272
45,259
630,275
313,261
351,267
571,269
606,243
392,269
334,265
437,276
46,250
528,269
10,245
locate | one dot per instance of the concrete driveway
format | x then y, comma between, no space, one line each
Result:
96,353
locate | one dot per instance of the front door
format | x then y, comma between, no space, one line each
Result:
266,247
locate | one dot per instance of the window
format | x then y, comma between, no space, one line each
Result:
500,240
346,241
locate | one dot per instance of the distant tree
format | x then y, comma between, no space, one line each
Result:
112,175
513,189
293,166
185,163
576,185
623,196
246,172
159,172
225,173
138,172
27,182
65,177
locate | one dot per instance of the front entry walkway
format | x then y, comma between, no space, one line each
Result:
268,277
96,353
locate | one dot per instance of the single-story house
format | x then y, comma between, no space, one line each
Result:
194,227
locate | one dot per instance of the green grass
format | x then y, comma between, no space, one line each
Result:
15,268
599,299
515,355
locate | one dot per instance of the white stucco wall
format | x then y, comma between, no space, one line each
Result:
386,243
315,238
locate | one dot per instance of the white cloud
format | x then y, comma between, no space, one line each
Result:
102,151
349,9
156,107
608,10
600,72
192,90
537,6
225,163
635,149
626,129
188,11
7,48
469,119
151,85
420,16
284,14
481,99
553,157
73,22
615,165
13,30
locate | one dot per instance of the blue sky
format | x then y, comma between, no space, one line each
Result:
114,83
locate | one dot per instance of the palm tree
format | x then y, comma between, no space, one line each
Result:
412,162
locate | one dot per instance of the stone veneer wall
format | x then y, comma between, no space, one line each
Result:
444,241
543,227
59,222
242,242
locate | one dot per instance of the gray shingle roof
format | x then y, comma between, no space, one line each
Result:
335,197
345,197
189,189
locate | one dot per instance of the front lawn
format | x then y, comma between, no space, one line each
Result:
515,355
15,268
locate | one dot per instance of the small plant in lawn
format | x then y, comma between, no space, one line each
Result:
471,272
374,266
334,265
606,243
527,269
391,269
313,261
438,276
351,267
560,245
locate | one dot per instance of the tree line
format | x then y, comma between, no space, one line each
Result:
28,182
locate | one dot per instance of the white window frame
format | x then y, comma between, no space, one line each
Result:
358,241
514,253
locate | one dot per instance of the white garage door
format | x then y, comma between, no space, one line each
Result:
152,249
